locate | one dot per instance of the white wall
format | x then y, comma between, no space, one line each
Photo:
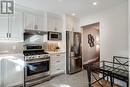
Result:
113,30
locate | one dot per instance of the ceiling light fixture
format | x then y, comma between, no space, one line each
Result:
73,14
94,3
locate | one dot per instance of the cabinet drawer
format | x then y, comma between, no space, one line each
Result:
56,72
60,65
57,55
59,68
57,60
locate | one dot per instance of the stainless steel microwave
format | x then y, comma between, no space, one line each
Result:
54,36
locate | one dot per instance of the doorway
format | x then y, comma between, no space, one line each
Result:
91,42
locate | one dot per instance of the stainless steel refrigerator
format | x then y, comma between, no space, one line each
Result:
73,52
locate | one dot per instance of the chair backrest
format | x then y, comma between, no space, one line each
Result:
121,62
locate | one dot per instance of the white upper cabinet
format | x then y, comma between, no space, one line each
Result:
16,26
11,27
34,21
3,26
54,22
69,23
29,20
72,23
39,22
76,25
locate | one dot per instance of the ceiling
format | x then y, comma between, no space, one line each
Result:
79,7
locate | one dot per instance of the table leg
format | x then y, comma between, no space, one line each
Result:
111,80
127,83
89,76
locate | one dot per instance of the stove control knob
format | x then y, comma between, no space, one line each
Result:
46,56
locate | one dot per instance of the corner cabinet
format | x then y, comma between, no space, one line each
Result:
58,63
69,23
11,27
34,21
54,22
72,23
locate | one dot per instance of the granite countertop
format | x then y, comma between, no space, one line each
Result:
11,55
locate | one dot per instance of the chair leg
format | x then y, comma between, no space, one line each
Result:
107,78
97,80
127,83
111,80
89,80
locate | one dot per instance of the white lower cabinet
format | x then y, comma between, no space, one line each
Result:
57,63
12,72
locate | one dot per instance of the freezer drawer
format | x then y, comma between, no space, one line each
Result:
75,65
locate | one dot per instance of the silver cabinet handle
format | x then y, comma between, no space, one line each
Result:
7,35
57,61
58,55
58,69
55,28
35,26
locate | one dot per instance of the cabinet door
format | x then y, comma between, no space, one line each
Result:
50,23
39,23
59,24
54,22
29,21
16,26
69,23
58,63
13,72
76,25
3,26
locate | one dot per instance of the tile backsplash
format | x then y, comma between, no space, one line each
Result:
11,47
52,46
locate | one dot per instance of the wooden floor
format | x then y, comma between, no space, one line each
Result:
104,84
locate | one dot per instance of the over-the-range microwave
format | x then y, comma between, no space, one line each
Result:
54,36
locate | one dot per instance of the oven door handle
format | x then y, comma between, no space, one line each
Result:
35,61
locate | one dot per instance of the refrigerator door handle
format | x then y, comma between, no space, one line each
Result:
74,57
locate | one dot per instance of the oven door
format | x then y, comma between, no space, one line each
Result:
37,69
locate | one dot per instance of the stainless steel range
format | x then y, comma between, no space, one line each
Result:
37,69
